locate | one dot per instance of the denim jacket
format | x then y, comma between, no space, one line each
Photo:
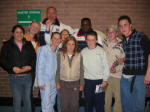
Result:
46,65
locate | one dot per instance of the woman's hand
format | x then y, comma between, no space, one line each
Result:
17,70
26,68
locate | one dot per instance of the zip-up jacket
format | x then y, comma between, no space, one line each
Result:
11,56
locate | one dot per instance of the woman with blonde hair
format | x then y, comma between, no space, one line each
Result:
32,34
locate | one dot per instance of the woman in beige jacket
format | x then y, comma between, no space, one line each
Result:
69,75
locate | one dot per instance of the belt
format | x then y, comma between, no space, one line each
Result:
20,75
132,83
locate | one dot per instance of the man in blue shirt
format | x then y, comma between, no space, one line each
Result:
46,70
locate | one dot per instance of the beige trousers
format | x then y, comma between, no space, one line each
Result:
113,91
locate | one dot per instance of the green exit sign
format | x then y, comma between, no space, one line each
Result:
26,16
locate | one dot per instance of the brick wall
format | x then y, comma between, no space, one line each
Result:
101,12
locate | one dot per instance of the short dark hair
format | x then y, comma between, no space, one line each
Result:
55,33
124,17
92,33
17,26
86,19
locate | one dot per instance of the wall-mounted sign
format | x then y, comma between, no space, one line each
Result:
26,16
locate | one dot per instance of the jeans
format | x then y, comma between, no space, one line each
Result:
135,101
21,90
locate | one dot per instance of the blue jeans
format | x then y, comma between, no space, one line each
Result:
135,101
21,90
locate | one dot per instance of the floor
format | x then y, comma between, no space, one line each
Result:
6,105
38,109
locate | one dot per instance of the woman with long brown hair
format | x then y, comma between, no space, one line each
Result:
18,58
69,75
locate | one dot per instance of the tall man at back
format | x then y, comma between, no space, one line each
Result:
51,24
136,70
86,27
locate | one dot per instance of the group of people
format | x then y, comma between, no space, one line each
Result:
63,62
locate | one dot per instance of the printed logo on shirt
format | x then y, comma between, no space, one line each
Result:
81,38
